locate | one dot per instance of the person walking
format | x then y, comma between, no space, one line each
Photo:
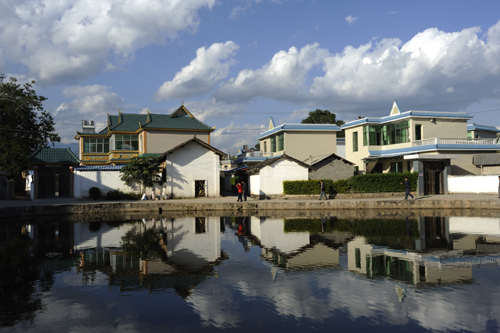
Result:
240,191
407,188
499,186
322,190
244,190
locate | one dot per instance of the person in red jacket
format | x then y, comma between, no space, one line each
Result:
240,191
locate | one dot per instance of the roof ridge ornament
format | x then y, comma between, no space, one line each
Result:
271,123
394,109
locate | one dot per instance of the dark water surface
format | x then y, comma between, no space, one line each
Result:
251,274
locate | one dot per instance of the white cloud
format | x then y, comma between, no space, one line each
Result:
202,74
67,40
232,137
351,19
91,99
283,77
424,67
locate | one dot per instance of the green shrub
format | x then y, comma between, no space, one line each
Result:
234,180
119,195
95,192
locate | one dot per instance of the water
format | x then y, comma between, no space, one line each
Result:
250,274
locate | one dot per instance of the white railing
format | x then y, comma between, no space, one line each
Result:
452,141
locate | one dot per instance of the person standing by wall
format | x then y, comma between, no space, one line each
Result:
240,191
322,190
407,188
244,190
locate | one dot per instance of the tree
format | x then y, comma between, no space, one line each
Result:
257,146
24,125
143,170
323,117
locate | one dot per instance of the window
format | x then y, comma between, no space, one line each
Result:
273,144
381,135
357,254
356,170
469,135
126,142
365,135
281,142
355,141
95,145
418,132
396,167
408,166
265,147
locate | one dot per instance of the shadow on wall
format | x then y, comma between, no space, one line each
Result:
175,180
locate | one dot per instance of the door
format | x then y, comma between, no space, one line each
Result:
433,177
199,188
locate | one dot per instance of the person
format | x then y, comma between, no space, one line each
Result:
244,190
407,188
499,186
240,191
322,190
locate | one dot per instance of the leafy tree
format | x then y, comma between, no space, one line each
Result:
24,125
323,117
257,146
143,170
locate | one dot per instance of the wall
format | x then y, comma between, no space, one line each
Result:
192,162
254,184
301,145
161,141
332,169
473,184
442,128
105,180
272,176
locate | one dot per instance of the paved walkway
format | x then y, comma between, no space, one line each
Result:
229,199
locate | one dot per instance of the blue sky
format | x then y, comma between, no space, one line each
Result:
235,63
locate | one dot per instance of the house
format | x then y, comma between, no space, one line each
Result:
52,173
482,132
330,166
130,135
300,141
103,154
435,144
192,169
266,178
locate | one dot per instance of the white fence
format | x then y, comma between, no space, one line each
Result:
451,141
473,184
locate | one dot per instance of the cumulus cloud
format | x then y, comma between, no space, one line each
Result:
203,73
351,19
283,77
91,99
67,40
427,65
232,137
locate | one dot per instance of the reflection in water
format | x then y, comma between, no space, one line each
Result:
252,273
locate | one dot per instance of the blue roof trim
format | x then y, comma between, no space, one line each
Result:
99,167
474,127
409,150
407,114
300,127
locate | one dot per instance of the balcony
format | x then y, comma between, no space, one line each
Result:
452,141
255,154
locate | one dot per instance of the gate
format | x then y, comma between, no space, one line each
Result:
433,177
199,188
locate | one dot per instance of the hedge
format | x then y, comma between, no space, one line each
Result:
367,183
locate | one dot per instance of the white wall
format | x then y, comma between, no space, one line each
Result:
192,162
473,184
106,180
254,184
272,176
271,234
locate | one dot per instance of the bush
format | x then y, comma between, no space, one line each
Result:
368,183
234,180
95,192
119,195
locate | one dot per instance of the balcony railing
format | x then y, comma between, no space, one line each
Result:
256,154
452,141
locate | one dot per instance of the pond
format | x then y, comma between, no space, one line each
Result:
250,274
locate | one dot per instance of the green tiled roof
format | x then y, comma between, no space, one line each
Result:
130,122
53,155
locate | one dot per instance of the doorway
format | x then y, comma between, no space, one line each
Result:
434,177
199,188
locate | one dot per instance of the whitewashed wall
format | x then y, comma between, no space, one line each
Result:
271,234
254,184
192,162
473,184
106,180
272,176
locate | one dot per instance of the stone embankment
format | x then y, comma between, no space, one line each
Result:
252,207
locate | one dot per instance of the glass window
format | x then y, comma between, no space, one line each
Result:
281,142
355,141
265,147
418,132
469,135
95,145
273,144
396,167
380,135
126,142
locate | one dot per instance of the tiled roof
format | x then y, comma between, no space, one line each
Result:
486,159
53,155
99,167
407,114
256,168
474,127
195,140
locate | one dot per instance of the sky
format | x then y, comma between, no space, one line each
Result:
235,63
